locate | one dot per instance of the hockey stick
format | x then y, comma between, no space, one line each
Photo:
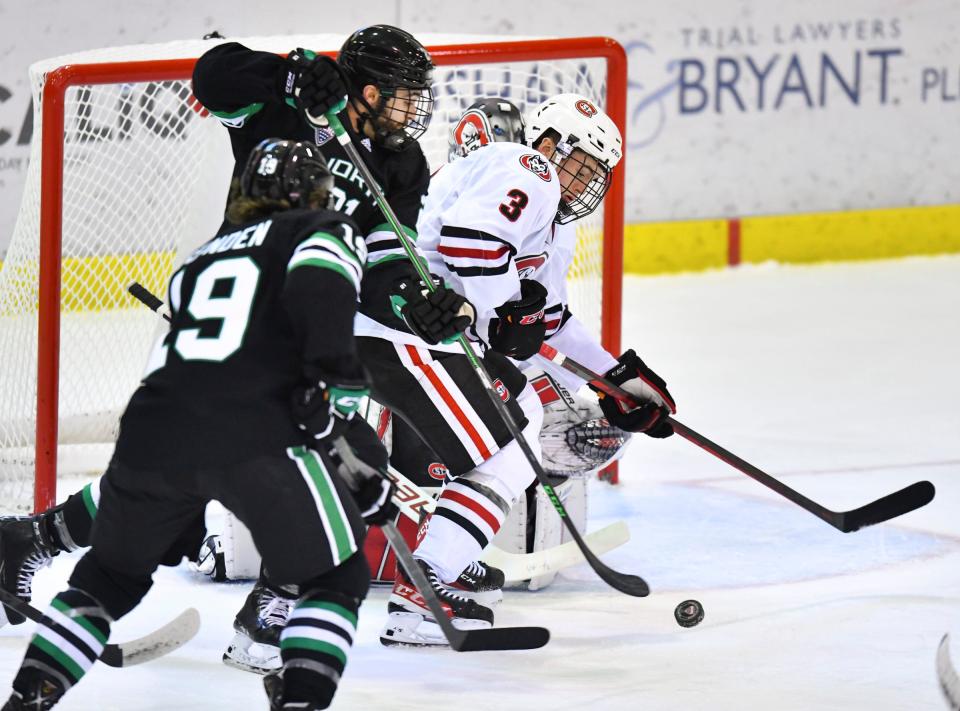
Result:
890,506
412,500
495,638
164,640
947,675
624,582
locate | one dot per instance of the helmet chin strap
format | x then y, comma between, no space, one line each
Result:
391,139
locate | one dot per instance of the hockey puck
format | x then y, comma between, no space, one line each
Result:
689,613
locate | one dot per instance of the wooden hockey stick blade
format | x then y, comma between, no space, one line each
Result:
947,675
503,638
171,636
523,566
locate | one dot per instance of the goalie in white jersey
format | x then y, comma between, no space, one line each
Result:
485,219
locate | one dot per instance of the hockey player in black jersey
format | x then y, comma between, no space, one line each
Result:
241,399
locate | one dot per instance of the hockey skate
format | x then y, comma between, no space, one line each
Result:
43,693
25,547
479,582
256,645
273,685
410,622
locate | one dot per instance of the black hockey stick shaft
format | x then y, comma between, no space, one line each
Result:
896,504
502,638
624,582
125,654
147,298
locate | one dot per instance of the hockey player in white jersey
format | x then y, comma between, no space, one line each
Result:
485,219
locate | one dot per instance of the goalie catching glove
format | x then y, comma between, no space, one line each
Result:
434,316
520,329
325,408
655,403
314,84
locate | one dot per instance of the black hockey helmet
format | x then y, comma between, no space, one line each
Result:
400,67
486,121
286,170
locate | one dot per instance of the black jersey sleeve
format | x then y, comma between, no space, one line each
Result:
407,180
234,82
320,296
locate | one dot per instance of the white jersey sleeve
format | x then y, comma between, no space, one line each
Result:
481,212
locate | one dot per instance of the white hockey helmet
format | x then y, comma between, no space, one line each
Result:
486,121
580,124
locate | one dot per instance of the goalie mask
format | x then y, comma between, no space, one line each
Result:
398,65
486,121
588,147
294,171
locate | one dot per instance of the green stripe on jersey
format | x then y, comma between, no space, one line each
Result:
386,227
61,657
333,243
245,112
325,263
333,607
88,501
339,533
84,622
314,645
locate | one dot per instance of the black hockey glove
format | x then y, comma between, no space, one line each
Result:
325,408
519,331
315,84
648,389
361,467
435,316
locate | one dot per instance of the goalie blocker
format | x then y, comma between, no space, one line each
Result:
576,441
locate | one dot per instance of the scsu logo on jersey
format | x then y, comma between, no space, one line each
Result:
528,266
501,388
536,164
438,471
586,108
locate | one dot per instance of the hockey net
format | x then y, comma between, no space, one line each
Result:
127,171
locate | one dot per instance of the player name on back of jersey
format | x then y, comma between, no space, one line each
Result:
251,236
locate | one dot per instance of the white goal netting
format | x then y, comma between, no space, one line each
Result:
145,173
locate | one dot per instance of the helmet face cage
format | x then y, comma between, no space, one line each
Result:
588,146
486,121
398,65
293,171
580,171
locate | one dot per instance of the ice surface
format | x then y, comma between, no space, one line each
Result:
839,379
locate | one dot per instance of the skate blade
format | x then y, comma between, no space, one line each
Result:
411,629
249,656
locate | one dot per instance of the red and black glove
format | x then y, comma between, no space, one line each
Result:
519,331
655,403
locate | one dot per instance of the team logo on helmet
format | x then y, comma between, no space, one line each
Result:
472,131
527,266
586,108
536,164
438,471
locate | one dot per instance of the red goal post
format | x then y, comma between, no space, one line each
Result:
60,80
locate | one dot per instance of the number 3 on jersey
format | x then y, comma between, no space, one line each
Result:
223,292
512,209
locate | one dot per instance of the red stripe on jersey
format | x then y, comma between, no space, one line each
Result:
552,324
474,506
414,354
473,253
